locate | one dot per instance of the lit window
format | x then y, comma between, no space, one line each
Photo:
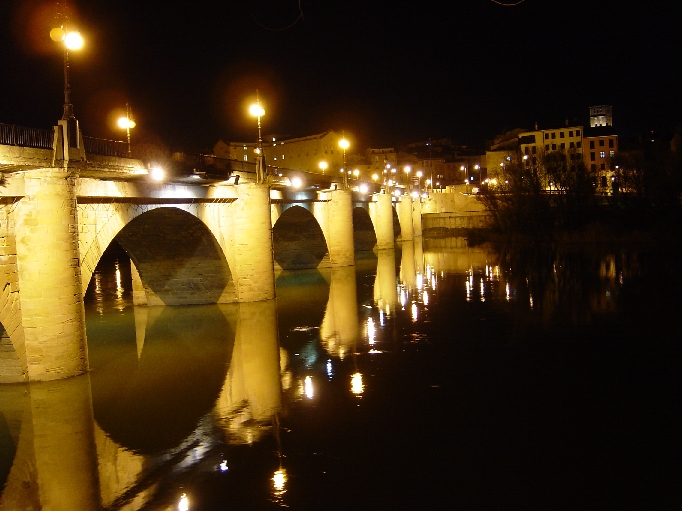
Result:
612,153
602,154
282,156
246,158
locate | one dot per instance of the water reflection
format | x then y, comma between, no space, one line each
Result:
185,394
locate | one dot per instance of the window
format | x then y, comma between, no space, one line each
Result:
612,153
591,144
553,147
561,134
553,135
376,158
570,133
244,148
610,142
592,156
546,147
546,136
603,181
534,150
572,145
602,166
602,154
563,146
535,160
246,158
526,150
593,167
601,142
282,156
578,144
577,133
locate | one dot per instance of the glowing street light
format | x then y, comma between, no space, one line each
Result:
344,144
257,111
72,40
323,166
157,173
127,124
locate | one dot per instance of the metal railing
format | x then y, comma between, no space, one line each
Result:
37,138
104,147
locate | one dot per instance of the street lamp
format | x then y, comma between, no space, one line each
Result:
72,41
257,111
127,124
323,166
344,144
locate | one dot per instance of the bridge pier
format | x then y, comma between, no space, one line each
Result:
405,218
52,310
417,218
253,271
338,229
382,217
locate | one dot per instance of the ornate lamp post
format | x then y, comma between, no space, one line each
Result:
127,124
344,144
257,111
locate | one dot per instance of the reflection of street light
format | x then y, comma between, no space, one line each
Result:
72,41
323,166
344,144
257,111
127,124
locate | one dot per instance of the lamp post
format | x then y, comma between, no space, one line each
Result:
72,41
127,124
257,111
344,144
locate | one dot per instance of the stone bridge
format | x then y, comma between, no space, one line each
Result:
197,238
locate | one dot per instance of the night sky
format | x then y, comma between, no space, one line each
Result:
387,72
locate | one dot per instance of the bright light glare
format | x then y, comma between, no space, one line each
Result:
256,110
364,188
126,123
415,194
223,466
415,312
157,173
308,385
183,505
279,480
356,385
73,41
344,144
296,182
371,330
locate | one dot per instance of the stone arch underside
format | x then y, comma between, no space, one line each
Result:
178,259
364,233
298,240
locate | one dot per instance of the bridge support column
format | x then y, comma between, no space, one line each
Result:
253,271
50,276
383,221
417,218
339,229
405,218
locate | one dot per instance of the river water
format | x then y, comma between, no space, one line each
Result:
436,376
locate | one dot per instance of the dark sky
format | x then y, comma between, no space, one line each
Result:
387,72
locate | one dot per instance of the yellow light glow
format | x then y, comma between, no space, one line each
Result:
126,123
375,177
183,505
57,34
256,110
157,173
407,169
279,480
371,331
308,386
420,173
344,144
363,188
323,166
415,312
356,385
73,41
296,182
356,172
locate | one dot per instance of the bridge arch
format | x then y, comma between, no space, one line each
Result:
177,256
298,239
